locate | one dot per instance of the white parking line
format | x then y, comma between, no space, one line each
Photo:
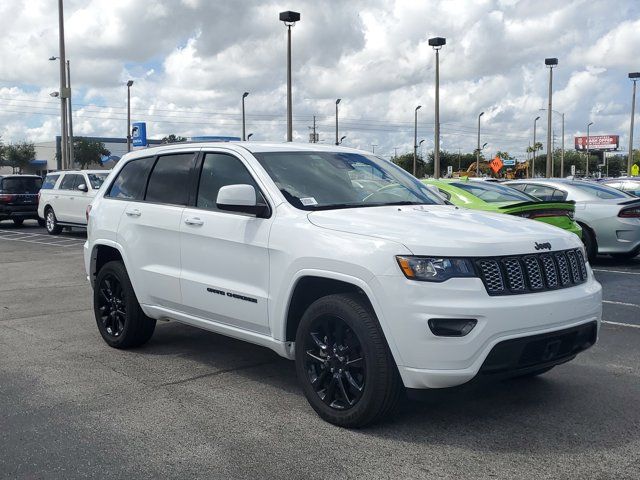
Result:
621,324
614,271
74,244
621,303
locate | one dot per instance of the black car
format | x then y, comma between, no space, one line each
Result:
19,197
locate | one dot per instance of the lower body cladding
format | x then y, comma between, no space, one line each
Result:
503,334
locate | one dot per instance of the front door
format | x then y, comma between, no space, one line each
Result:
225,257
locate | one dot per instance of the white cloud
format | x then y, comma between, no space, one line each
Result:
191,60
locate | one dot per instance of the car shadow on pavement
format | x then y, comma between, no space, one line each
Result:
574,408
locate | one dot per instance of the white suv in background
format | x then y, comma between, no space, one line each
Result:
65,196
336,259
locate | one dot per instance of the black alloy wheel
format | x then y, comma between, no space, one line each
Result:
334,362
112,305
343,362
119,317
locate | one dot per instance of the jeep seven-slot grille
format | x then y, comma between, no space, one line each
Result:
532,273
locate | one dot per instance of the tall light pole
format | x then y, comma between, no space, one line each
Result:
244,95
415,139
64,92
129,84
69,112
533,161
633,76
549,62
437,43
337,140
588,145
562,151
478,149
289,18
373,147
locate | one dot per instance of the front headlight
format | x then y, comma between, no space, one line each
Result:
435,269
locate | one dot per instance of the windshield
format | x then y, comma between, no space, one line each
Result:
494,193
97,179
600,191
325,180
19,185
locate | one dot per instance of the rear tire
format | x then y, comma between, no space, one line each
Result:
18,222
51,222
120,320
343,362
590,243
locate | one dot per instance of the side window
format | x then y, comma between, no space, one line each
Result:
445,194
169,180
69,181
50,182
559,195
132,180
218,170
518,186
540,191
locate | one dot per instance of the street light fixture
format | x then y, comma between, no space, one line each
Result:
69,113
549,62
129,84
249,136
478,150
533,162
634,77
289,18
244,95
437,43
588,146
342,138
54,94
337,102
415,139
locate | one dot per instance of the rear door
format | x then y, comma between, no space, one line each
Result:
79,200
149,230
225,257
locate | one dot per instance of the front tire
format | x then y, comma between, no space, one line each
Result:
343,362
120,320
42,222
590,243
51,222
18,222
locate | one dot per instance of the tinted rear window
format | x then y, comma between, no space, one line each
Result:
492,193
600,191
169,179
132,179
20,185
50,182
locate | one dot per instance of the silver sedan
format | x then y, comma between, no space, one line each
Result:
610,219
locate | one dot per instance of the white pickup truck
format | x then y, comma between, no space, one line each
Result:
336,259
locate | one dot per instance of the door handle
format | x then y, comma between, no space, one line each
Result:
193,221
134,212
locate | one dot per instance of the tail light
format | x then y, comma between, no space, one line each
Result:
633,212
6,198
87,212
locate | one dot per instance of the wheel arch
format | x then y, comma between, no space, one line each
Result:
102,253
309,286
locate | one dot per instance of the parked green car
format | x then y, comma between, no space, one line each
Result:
493,197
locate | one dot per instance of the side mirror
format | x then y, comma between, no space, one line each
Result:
241,198
83,187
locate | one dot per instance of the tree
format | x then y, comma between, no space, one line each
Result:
18,155
504,156
86,151
172,138
405,161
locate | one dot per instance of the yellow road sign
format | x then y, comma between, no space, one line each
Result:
635,170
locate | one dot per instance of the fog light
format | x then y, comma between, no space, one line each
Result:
451,327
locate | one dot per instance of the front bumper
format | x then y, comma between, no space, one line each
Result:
429,361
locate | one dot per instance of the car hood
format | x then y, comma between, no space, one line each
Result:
446,230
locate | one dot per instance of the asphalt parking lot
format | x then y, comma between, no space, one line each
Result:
193,404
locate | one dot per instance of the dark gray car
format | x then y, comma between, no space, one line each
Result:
19,197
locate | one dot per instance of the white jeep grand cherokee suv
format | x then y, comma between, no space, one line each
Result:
339,260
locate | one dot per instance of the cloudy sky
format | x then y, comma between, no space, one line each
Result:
191,60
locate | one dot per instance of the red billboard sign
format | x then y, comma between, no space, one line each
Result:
598,142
